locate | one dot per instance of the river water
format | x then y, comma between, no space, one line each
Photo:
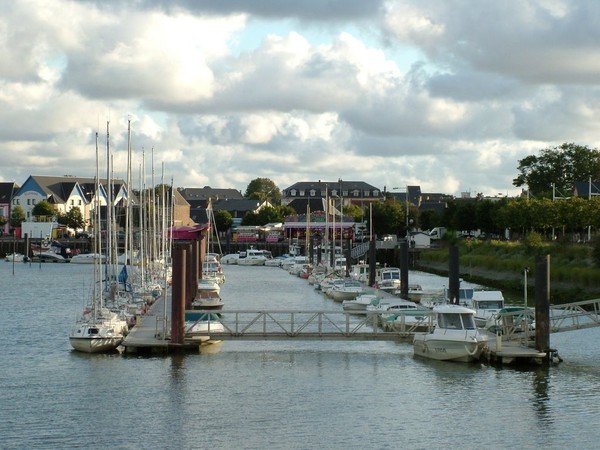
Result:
272,395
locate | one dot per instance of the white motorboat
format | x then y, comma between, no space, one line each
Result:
454,338
231,258
388,278
208,300
347,290
87,258
486,304
404,316
361,302
252,257
202,325
209,285
16,257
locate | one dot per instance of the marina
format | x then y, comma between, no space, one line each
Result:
257,389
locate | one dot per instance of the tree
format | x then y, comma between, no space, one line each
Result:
17,216
353,211
560,166
263,189
43,209
223,220
72,219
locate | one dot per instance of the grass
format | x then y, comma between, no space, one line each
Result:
573,274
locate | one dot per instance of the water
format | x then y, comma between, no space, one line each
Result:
275,395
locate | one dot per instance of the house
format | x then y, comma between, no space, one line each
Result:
348,192
238,208
7,190
68,192
198,197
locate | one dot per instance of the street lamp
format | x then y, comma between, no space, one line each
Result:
406,199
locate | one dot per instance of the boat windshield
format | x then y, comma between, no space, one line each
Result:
490,304
468,321
456,321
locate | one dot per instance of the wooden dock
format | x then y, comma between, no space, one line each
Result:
500,352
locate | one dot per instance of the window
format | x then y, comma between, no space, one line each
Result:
79,202
29,201
356,192
312,192
302,193
345,193
293,193
375,193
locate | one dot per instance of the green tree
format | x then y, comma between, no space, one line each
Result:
429,219
560,167
17,216
223,220
263,189
72,219
389,217
353,211
43,209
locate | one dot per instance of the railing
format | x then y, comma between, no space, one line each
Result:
520,324
308,325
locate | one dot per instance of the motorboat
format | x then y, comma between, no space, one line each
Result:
252,257
231,258
347,290
208,300
388,278
200,325
16,257
88,258
209,285
454,338
486,304
405,316
361,302
48,256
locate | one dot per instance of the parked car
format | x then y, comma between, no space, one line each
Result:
83,234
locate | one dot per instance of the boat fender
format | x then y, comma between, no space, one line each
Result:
471,353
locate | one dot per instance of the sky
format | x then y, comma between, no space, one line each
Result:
448,95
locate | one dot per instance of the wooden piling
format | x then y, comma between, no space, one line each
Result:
404,270
453,275
542,303
178,295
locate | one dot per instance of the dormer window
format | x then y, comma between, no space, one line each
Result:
375,193
302,193
355,192
312,192
293,192
334,192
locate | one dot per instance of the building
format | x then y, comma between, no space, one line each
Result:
198,197
348,192
68,192
7,190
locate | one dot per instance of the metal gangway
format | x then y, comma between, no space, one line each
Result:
519,323
313,325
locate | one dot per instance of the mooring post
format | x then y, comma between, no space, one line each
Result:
348,255
191,281
453,275
178,295
404,270
542,303
372,261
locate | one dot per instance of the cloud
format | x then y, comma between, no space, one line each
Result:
448,95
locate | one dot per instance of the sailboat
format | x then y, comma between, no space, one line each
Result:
98,329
